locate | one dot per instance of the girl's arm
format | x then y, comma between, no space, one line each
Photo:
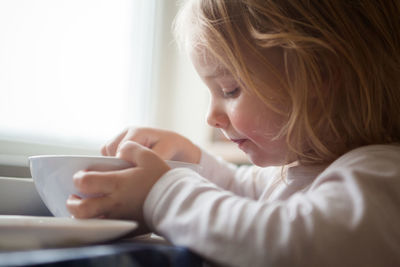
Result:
348,216
247,180
244,181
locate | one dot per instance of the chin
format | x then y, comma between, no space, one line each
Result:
265,161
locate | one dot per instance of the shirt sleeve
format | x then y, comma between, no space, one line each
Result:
246,180
347,217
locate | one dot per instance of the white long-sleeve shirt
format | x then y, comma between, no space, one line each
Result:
344,214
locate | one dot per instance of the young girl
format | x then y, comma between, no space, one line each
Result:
310,91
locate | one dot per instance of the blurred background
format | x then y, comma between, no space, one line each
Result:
75,73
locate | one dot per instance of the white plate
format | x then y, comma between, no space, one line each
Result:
27,232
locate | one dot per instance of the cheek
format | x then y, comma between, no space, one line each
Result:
239,118
256,124
249,123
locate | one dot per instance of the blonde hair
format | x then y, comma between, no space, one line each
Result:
342,63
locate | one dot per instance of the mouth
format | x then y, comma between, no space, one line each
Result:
238,141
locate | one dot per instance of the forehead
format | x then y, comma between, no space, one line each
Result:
207,65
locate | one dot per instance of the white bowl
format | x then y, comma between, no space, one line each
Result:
52,175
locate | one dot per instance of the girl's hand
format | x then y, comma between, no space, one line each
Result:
119,194
168,145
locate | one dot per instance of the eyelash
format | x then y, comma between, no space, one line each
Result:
231,93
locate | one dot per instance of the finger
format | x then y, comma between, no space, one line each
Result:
137,154
93,183
136,135
110,149
89,207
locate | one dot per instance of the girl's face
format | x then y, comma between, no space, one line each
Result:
241,115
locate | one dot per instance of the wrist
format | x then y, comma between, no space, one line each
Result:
185,150
191,152
195,155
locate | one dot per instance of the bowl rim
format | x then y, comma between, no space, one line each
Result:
182,163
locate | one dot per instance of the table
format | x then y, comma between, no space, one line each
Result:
120,253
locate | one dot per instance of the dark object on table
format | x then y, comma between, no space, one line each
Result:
120,254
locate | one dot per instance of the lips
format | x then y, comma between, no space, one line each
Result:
238,141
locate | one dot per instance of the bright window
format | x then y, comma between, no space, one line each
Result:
74,71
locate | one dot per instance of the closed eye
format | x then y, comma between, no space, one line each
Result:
231,93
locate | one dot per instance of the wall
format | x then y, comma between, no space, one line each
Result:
179,103
182,97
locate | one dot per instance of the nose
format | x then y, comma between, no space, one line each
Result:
217,117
